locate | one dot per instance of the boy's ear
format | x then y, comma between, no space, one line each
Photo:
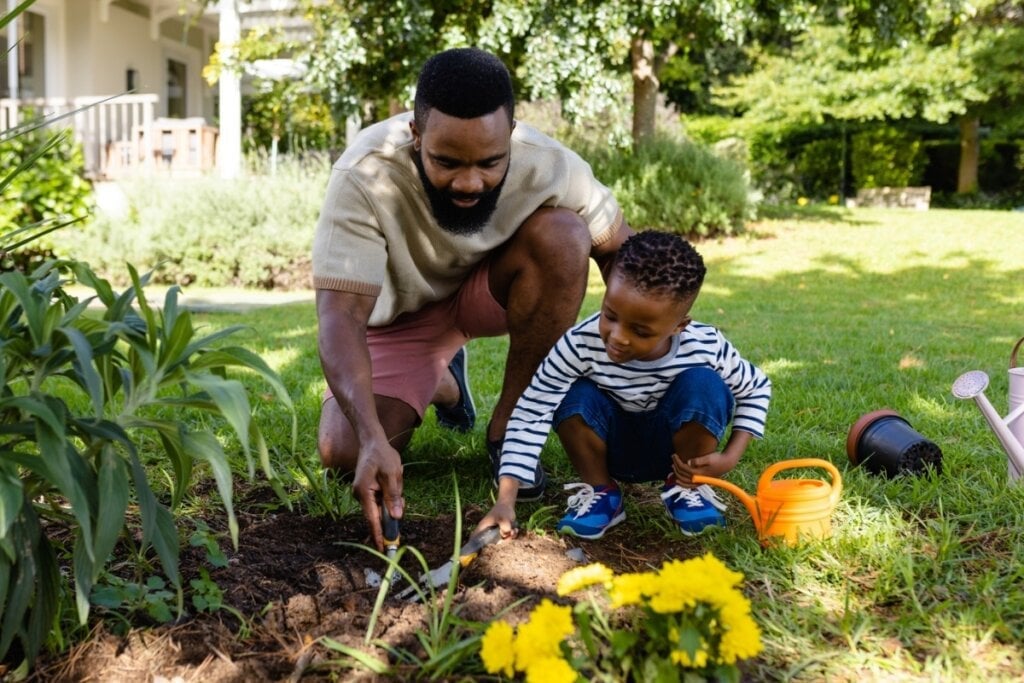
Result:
683,323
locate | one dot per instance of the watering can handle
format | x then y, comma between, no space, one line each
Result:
1013,354
837,481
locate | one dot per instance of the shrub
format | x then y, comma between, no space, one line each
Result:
252,232
820,168
886,157
675,186
53,187
78,392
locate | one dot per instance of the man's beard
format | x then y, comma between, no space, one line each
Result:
453,218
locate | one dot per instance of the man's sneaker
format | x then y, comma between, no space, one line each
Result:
591,511
526,494
462,416
693,509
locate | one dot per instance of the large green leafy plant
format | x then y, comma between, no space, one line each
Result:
100,398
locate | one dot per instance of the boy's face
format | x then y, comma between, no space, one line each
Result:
639,326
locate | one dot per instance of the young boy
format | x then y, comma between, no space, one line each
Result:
637,392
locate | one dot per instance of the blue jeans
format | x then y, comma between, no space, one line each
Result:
639,445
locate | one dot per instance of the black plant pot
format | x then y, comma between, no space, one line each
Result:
884,443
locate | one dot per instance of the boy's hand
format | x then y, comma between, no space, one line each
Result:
504,511
502,515
710,465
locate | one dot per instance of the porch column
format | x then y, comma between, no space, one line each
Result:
229,144
12,53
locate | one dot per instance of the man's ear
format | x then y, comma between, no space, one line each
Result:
415,135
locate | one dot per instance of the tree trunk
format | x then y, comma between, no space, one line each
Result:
967,176
645,89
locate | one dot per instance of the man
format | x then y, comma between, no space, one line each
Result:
439,227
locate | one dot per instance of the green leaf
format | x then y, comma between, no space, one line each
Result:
204,446
176,339
11,497
9,16
231,400
147,312
88,377
35,410
87,277
17,284
244,358
113,501
372,663
157,523
83,573
57,452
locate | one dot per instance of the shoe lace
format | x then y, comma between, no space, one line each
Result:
690,497
694,498
584,498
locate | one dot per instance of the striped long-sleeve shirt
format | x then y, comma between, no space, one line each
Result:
636,386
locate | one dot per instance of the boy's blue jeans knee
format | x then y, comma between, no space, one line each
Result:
640,444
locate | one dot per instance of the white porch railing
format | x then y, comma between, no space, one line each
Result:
114,132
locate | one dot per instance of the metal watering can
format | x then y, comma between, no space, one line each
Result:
1010,429
789,509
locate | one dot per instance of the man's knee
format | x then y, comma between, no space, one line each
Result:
331,439
554,233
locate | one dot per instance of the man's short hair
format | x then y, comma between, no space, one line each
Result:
661,264
465,83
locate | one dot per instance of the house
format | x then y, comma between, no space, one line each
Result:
136,68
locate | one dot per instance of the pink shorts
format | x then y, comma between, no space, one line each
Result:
411,355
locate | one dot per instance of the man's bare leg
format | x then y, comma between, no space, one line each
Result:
540,278
337,440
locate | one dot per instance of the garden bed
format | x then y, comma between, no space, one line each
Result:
297,578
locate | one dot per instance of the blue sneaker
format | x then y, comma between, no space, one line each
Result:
462,416
693,509
591,511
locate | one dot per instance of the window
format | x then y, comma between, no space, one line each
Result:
29,56
176,79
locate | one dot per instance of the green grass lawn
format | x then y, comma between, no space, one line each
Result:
847,312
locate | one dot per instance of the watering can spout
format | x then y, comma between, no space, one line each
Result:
972,385
748,501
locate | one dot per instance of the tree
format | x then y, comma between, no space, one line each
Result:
967,65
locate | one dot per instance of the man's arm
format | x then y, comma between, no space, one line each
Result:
605,252
345,359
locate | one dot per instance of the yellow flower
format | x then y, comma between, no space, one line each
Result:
682,658
833,199
803,201
550,670
630,589
742,637
496,648
582,577
541,636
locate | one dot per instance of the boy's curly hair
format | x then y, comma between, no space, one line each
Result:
661,263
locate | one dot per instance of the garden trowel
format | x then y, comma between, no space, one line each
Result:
436,578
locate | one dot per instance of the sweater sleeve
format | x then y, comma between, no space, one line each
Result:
749,385
530,423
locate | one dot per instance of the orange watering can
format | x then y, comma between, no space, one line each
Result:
789,508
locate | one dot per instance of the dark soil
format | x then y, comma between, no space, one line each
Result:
297,578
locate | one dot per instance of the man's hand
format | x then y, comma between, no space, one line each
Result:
378,481
710,465
503,514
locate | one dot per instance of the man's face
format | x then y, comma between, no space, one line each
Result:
463,164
